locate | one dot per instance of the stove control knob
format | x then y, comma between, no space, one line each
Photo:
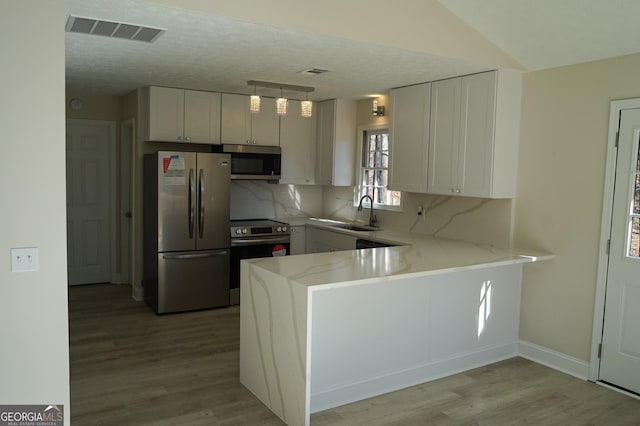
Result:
244,230
284,229
238,231
279,229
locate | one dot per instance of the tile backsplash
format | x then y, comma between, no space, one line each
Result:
258,199
478,220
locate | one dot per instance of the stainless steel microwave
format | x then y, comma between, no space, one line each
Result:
254,162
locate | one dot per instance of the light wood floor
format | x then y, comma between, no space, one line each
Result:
132,367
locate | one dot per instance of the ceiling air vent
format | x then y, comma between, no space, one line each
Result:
78,24
313,71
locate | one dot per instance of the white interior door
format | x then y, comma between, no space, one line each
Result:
620,359
126,200
88,207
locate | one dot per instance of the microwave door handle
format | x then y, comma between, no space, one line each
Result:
201,203
191,205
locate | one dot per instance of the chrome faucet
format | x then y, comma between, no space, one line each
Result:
372,217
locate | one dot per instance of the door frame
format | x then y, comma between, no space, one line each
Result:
127,155
605,230
111,170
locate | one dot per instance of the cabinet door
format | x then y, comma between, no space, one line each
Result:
475,154
236,119
298,143
444,137
409,138
326,138
336,142
166,114
298,239
321,241
201,117
265,125
344,143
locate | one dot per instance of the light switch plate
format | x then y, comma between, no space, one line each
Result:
24,259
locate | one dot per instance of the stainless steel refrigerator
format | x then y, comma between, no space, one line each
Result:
186,230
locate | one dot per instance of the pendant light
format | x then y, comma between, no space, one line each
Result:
281,104
254,105
306,107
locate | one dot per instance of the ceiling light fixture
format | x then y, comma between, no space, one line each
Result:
377,111
306,106
281,104
254,106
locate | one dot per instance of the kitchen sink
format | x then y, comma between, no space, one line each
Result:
353,227
347,225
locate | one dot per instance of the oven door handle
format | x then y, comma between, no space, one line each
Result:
259,241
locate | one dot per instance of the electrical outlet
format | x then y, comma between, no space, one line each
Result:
24,259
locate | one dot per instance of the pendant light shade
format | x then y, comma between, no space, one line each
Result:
306,108
281,105
254,105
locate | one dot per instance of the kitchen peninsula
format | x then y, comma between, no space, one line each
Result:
323,330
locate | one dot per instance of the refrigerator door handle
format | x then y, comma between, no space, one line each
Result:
191,203
194,256
201,203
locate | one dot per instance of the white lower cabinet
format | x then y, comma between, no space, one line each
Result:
298,239
321,241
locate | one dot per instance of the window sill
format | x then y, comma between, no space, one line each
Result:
397,209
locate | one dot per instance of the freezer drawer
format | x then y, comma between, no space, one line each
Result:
192,280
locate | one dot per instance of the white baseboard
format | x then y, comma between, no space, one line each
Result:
552,359
137,292
352,392
399,380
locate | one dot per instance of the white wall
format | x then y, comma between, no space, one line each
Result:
565,114
34,360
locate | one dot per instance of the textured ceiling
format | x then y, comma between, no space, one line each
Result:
543,34
215,53
209,52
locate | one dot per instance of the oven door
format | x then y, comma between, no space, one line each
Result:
252,248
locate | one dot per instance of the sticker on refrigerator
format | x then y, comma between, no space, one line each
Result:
173,168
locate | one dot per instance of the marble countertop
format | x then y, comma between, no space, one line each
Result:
415,255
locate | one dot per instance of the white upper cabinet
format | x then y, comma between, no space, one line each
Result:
201,117
298,143
240,126
444,136
178,115
336,142
474,133
409,131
